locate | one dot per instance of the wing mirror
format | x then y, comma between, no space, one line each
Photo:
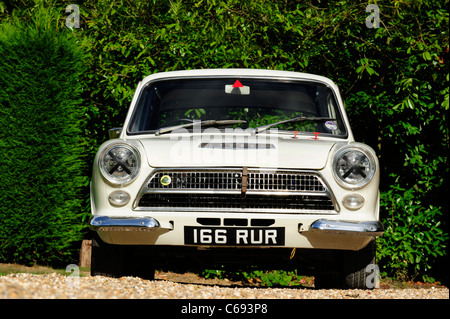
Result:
114,132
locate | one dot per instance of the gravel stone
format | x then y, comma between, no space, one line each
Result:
56,286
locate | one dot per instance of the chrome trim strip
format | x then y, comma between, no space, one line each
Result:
249,192
104,223
237,145
368,228
238,210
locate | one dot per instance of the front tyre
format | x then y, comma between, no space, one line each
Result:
359,268
117,261
352,270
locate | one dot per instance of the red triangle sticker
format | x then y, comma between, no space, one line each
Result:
237,84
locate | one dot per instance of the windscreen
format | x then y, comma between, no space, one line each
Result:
258,102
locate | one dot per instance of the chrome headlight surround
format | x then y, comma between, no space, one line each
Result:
353,167
120,163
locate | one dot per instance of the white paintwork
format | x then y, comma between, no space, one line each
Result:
305,152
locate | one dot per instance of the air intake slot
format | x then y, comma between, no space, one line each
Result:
235,222
209,221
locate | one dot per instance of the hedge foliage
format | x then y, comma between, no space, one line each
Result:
42,167
394,79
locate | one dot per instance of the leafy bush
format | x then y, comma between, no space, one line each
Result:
41,116
273,278
414,237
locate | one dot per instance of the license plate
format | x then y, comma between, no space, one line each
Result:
234,236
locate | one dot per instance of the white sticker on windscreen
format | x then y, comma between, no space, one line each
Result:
237,88
331,125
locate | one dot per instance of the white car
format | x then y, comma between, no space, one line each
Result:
234,169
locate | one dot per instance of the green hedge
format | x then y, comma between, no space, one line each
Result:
394,80
42,167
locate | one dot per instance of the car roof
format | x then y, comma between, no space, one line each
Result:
238,73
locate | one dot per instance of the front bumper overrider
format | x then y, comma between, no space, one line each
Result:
104,223
354,228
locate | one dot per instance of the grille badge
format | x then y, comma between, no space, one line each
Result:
165,180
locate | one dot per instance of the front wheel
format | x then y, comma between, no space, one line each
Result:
353,270
118,261
359,268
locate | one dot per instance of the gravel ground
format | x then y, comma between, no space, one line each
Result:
56,286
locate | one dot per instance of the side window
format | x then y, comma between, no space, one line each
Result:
139,118
336,127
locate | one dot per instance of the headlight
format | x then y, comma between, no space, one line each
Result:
120,163
353,167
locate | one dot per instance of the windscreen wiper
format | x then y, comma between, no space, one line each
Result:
201,123
295,119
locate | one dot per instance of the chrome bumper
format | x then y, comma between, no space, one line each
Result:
148,224
104,223
370,228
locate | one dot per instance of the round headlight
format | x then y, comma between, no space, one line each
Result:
120,163
353,167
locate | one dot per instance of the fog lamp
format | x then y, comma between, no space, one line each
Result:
353,201
119,198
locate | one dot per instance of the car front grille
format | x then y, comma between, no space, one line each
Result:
232,180
222,189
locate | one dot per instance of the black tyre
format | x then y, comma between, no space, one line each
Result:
116,261
351,270
359,268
